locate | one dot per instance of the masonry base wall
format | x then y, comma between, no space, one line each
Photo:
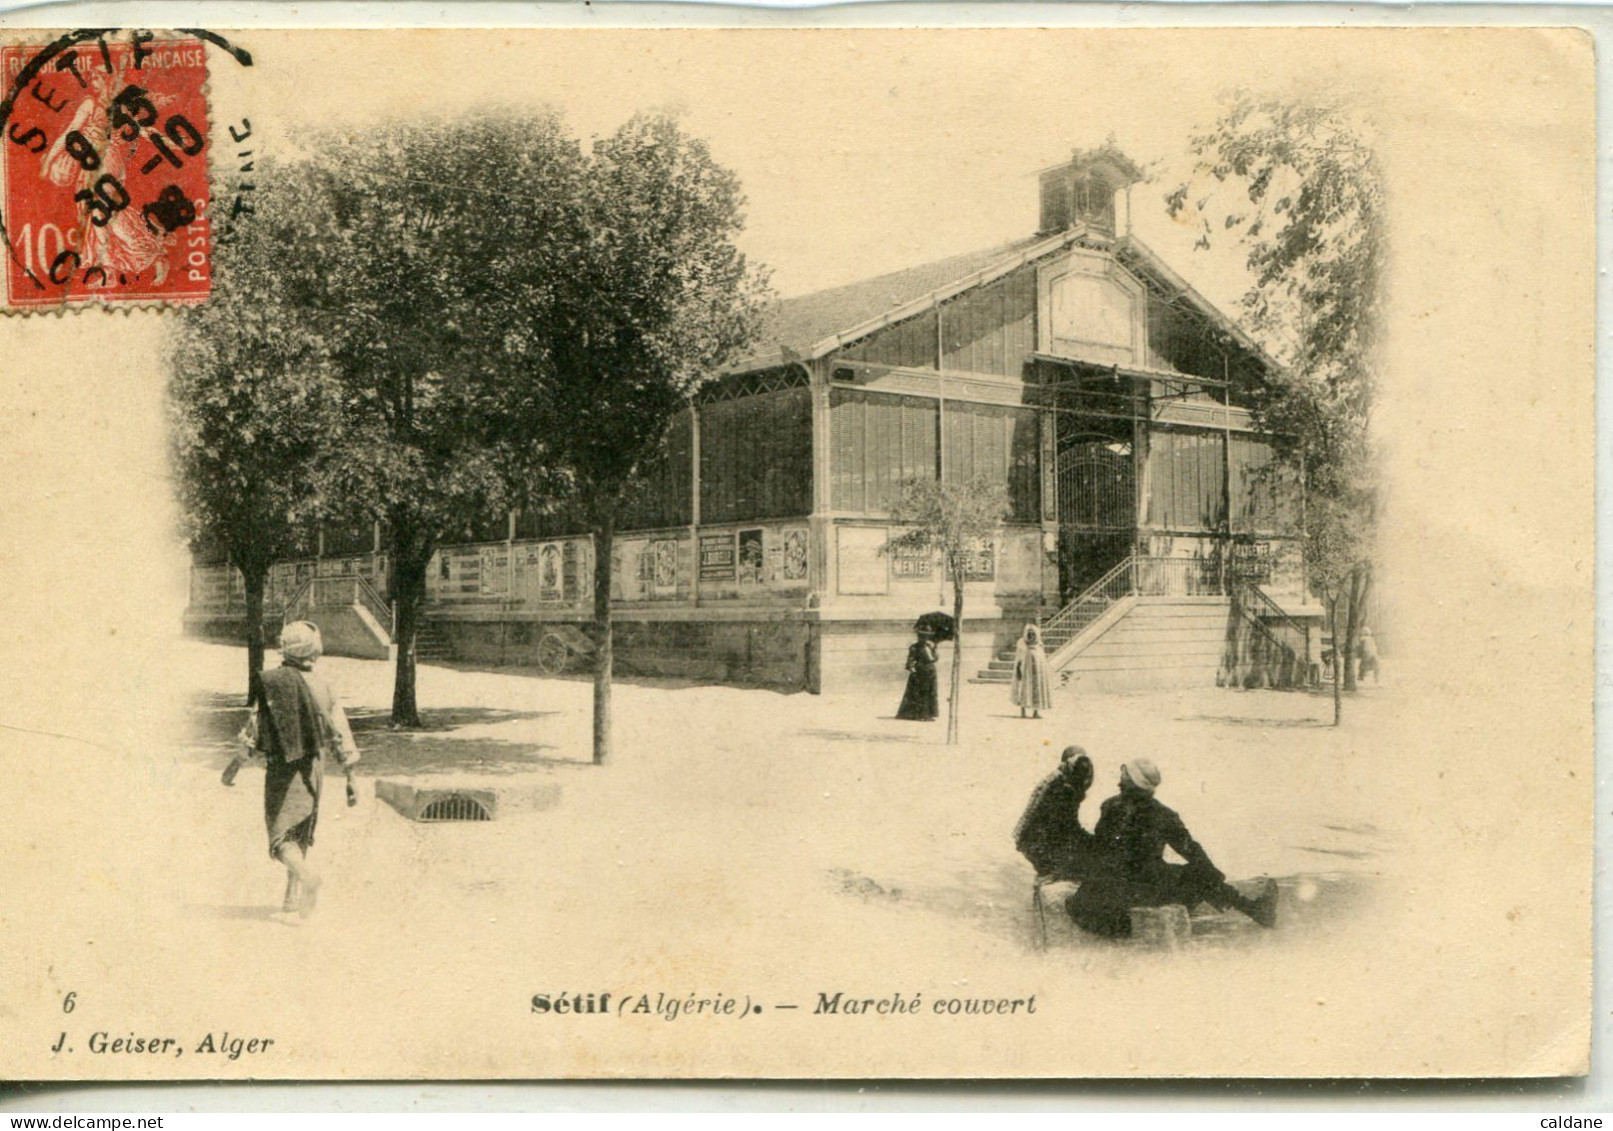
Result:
860,654
226,628
774,653
343,631
1162,643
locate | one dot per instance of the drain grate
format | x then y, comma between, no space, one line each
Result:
455,808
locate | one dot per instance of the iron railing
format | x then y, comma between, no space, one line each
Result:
339,593
364,594
1268,652
1179,577
1075,617
1274,617
1135,576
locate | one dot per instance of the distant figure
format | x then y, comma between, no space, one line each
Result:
920,701
1367,649
1049,833
1133,832
1033,691
1313,656
296,718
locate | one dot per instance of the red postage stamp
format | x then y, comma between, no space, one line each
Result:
105,172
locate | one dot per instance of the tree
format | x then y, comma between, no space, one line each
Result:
1298,184
951,520
653,300
406,269
248,403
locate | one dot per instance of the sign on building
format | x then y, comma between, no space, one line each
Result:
913,563
717,557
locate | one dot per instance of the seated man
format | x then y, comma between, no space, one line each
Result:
1133,832
1049,833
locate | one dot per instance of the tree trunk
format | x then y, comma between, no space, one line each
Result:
1338,659
409,592
1352,624
957,657
604,539
254,578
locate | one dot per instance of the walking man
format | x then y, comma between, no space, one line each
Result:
296,719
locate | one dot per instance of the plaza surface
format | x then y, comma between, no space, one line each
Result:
737,794
739,842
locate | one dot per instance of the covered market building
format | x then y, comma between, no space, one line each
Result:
1151,530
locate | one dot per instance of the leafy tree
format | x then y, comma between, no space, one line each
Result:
249,404
951,520
416,229
1298,184
653,299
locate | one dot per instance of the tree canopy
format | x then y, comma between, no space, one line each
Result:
249,407
1297,182
651,298
496,317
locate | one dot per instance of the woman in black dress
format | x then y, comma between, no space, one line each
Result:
920,701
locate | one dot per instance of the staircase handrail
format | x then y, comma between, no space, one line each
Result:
364,593
1273,610
293,607
1263,628
1092,592
1294,657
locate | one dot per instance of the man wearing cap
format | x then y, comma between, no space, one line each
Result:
1133,831
1049,833
297,718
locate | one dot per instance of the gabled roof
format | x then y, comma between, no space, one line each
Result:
812,325
797,325
1139,257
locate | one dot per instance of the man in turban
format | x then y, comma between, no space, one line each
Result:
298,717
1133,831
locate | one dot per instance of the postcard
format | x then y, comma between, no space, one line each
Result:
796,552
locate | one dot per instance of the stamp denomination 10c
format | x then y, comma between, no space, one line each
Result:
105,172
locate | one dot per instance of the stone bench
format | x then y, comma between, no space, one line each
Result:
1164,928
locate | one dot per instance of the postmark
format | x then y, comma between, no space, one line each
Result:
106,139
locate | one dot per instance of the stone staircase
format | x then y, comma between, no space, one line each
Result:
432,644
1001,668
1069,622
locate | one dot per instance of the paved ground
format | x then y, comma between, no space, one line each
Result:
811,791
738,838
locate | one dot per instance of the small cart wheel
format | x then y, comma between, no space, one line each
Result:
553,654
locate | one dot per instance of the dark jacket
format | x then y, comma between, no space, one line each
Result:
290,726
1049,831
1134,829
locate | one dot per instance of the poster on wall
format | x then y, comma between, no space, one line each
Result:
495,570
568,571
549,572
716,557
465,571
795,554
665,569
751,557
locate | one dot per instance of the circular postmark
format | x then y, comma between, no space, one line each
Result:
104,187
